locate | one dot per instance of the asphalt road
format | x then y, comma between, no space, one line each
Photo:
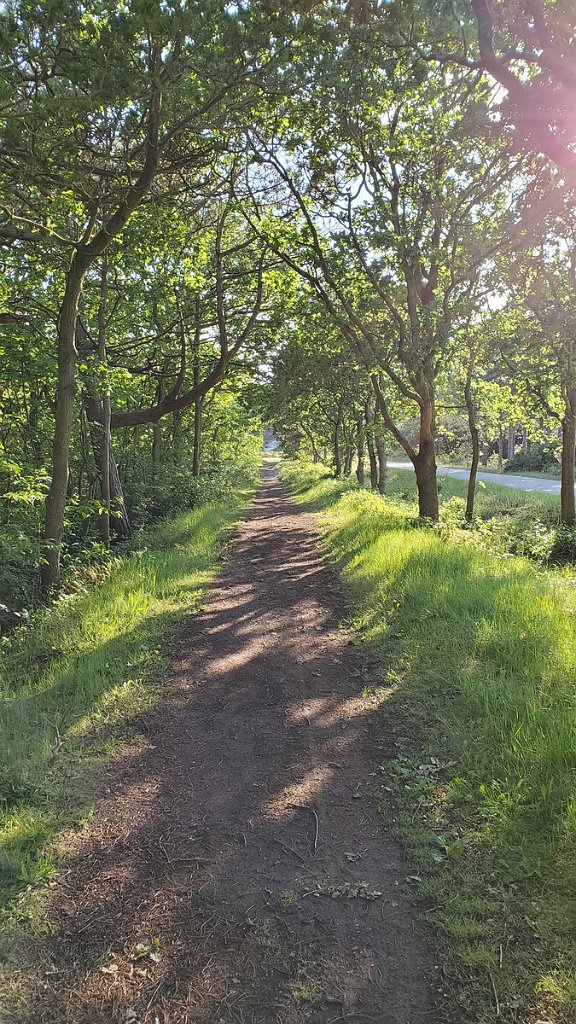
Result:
521,483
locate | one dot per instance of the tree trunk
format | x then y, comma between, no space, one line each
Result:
156,445
425,463
67,354
106,445
423,460
380,445
500,446
315,452
475,438
198,415
157,425
382,464
511,442
198,402
120,524
425,467
63,421
567,503
336,443
177,437
119,520
197,451
372,459
348,459
361,450
525,444
485,454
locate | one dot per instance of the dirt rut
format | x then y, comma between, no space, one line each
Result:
236,868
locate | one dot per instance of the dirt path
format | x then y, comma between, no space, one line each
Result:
226,838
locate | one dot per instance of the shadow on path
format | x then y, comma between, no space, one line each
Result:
236,869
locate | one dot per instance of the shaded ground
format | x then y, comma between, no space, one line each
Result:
236,869
542,484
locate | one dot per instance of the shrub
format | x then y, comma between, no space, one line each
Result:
539,458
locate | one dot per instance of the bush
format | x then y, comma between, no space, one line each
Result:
564,546
539,458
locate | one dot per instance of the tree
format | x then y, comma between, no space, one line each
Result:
538,340
114,104
400,197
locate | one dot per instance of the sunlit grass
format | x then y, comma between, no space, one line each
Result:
71,683
480,655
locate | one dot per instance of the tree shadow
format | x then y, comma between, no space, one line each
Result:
74,704
235,869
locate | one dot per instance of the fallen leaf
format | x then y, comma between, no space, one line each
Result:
109,968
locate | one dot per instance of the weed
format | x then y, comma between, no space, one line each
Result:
303,993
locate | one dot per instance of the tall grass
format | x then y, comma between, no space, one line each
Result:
71,683
491,499
475,676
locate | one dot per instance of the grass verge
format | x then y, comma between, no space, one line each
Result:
475,660
491,499
72,683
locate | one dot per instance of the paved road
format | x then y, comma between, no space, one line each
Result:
521,483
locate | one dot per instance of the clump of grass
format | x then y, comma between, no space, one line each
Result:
70,683
478,657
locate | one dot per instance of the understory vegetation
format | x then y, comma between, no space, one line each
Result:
506,521
473,661
74,678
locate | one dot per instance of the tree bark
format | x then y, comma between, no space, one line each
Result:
475,438
425,463
382,464
500,447
106,446
315,452
336,443
511,442
156,445
361,450
198,411
157,425
372,458
567,502
63,421
177,438
120,524
119,519
485,454
425,466
348,459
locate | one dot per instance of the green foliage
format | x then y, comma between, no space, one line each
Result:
475,659
507,522
539,458
22,489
